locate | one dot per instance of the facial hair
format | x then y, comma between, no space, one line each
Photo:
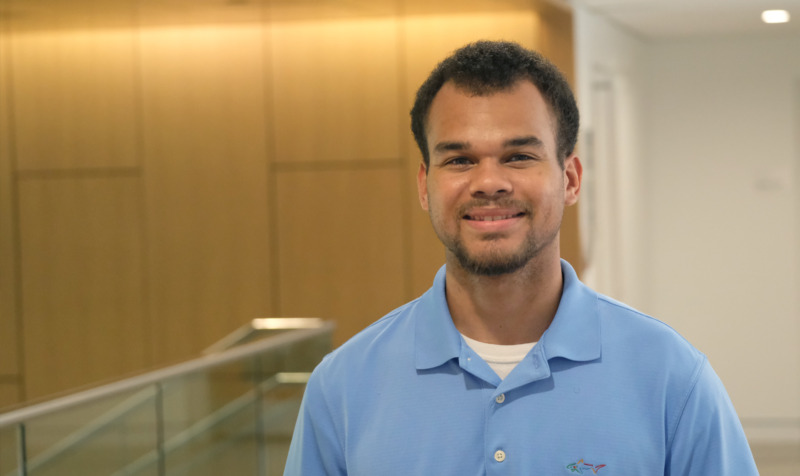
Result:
496,262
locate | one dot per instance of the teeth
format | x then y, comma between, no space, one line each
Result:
493,218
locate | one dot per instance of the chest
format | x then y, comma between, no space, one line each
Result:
452,423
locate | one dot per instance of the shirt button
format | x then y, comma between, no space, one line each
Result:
500,398
499,456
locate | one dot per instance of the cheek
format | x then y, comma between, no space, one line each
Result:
442,194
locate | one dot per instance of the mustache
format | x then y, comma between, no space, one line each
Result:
498,203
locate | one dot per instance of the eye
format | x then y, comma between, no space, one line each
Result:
458,162
520,158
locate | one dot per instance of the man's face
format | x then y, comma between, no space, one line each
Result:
494,188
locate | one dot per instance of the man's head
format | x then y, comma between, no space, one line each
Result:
487,67
499,168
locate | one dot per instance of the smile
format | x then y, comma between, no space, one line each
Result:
492,217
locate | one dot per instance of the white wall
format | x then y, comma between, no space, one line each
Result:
721,171
701,226
609,90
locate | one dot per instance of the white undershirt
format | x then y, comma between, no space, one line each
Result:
501,358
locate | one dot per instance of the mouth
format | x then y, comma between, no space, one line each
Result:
491,215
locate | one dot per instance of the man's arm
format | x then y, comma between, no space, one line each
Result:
316,449
709,439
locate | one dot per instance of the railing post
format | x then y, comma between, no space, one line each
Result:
22,450
261,443
160,437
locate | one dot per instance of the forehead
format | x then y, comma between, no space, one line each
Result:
456,114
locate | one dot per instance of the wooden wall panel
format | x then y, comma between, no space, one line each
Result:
159,140
336,90
555,42
428,40
341,245
206,173
8,259
555,38
83,300
166,13
75,98
9,395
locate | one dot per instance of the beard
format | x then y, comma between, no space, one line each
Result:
495,261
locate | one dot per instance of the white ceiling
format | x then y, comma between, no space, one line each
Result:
685,18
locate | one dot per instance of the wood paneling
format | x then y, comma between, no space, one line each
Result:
9,363
336,90
178,13
9,395
429,39
457,7
74,94
50,15
341,245
555,38
81,281
185,166
330,10
206,173
555,42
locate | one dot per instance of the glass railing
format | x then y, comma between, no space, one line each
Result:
230,412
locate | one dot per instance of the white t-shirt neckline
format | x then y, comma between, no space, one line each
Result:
501,358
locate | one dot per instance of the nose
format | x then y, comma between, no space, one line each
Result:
490,180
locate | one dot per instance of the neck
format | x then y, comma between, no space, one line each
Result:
514,308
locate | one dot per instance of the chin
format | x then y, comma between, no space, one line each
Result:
493,265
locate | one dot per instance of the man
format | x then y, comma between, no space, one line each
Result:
509,364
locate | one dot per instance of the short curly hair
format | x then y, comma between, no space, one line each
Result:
486,67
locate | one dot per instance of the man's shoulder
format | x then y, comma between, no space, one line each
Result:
391,334
630,330
616,312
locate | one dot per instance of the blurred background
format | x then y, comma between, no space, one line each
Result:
171,169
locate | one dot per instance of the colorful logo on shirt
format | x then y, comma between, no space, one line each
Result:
580,466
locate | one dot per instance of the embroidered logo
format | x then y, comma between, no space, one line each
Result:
580,466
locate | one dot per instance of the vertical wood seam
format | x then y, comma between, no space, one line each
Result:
146,264
276,303
16,234
407,191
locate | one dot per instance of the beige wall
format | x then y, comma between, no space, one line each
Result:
170,170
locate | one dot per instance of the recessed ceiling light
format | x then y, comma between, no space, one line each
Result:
775,16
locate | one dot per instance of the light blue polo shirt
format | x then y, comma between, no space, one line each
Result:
606,391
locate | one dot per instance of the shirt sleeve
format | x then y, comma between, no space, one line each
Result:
709,439
315,449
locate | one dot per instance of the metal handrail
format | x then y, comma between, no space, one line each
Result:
231,409
240,335
191,366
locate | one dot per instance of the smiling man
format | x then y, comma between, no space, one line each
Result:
509,364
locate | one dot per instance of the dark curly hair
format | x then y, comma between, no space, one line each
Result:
486,67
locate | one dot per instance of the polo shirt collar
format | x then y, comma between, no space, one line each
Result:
574,333
436,338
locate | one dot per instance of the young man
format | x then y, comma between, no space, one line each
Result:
509,364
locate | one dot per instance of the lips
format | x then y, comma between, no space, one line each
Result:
492,218
492,214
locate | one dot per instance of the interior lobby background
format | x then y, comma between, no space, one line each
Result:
171,170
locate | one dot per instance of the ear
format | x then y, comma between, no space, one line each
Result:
573,174
422,185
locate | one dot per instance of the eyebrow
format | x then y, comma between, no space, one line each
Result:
448,146
523,141
515,142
